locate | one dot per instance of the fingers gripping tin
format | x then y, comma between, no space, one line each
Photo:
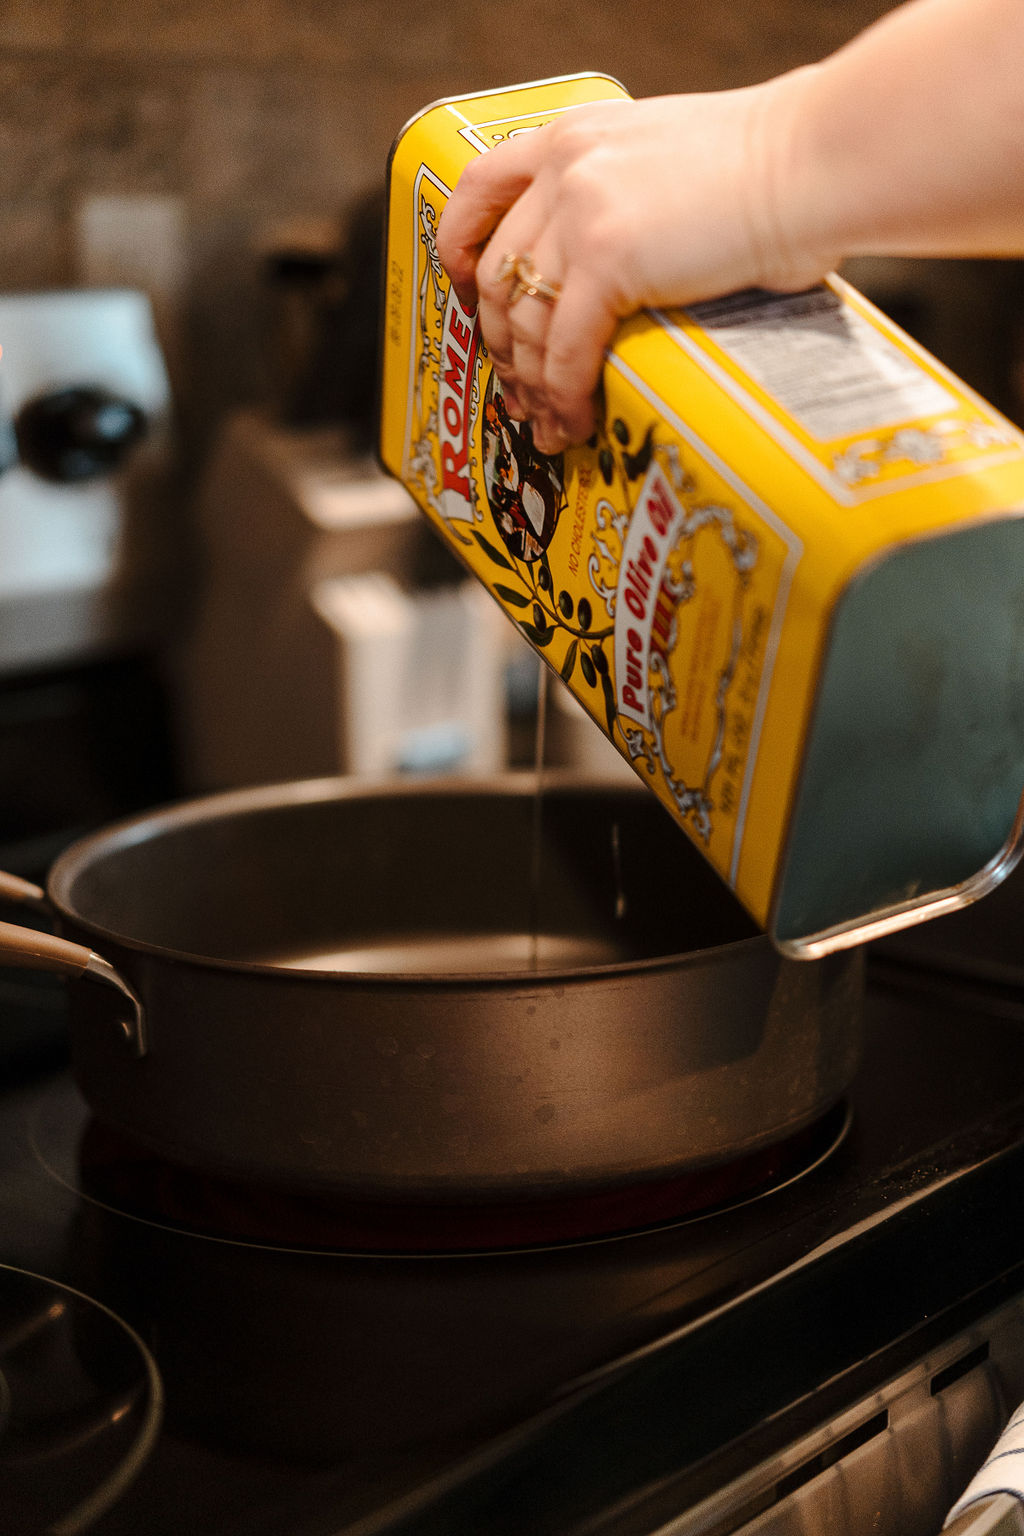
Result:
786,577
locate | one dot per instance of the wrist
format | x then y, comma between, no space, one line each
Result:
790,214
909,141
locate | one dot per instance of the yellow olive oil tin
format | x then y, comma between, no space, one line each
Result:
786,577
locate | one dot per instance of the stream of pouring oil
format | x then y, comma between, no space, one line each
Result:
537,833
537,828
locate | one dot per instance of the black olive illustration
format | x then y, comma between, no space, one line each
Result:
600,659
607,465
635,464
540,617
620,430
584,613
587,668
565,605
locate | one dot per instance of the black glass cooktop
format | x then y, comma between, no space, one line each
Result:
166,1366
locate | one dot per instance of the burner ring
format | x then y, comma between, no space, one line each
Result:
80,1394
115,1172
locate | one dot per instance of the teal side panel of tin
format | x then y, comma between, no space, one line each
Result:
915,763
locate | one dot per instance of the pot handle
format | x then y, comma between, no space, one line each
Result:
14,888
33,950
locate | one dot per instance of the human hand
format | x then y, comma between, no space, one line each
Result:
619,206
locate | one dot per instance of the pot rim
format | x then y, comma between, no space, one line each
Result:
225,804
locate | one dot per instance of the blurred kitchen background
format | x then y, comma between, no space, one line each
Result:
203,579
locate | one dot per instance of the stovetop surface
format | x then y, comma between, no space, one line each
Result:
184,1382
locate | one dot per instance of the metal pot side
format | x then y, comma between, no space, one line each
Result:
689,1042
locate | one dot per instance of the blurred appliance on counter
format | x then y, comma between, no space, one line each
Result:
89,555
333,633
84,547
90,564
323,291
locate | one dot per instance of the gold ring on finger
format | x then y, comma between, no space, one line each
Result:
526,280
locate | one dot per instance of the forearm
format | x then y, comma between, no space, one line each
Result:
909,141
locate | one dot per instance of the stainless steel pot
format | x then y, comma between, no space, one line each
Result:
330,986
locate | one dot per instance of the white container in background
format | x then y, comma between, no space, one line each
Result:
87,567
324,640
419,676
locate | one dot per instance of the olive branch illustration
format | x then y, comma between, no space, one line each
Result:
558,613
554,614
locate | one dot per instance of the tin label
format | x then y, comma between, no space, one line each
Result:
456,379
644,604
484,136
694,574
865,416
830,370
